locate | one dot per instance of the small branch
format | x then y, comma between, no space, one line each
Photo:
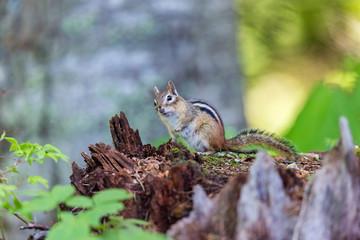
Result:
16,164
139,181
35,226
21,218
2,231
30,225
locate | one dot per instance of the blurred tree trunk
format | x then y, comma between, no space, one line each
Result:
28,29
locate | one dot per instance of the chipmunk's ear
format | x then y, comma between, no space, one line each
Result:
171,88
156,91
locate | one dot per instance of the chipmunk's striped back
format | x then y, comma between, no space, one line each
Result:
206,107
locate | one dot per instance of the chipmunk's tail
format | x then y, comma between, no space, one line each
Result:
248,137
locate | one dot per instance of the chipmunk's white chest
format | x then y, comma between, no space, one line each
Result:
192,138
188,133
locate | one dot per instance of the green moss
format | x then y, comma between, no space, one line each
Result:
214,160
357,150
175,150
205,171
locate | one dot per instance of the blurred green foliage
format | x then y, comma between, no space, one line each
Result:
277,33
316,127
307,40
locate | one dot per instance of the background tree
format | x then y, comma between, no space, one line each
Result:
76,64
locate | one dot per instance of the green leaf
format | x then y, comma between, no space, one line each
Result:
42,203
14,143
11,140
6,205
66,216
13,169
2,136
61,193
109,208
111,195
55,153
134,221
319,118
92,217
71,229
53,156
34,180
32,192
47,201
131,233
6,190
120,222
17,203
79,201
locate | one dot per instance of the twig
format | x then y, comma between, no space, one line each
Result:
138,180
35,226
30,225
21,218
2,231
18,162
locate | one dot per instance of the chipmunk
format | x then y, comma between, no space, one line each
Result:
201,127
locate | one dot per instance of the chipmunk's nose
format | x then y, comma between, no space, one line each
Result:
161,110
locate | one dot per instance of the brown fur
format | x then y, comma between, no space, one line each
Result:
260,139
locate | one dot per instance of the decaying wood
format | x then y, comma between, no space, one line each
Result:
331,207
211,216
160,179
178,192
254,210
126,140
262,206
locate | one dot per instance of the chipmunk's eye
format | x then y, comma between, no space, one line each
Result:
168,98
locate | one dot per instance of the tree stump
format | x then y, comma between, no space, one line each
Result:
194,197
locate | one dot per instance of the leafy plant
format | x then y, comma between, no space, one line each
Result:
90,211
87,221
316,126
24,153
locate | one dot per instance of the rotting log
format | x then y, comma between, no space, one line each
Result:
160,179
178,193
